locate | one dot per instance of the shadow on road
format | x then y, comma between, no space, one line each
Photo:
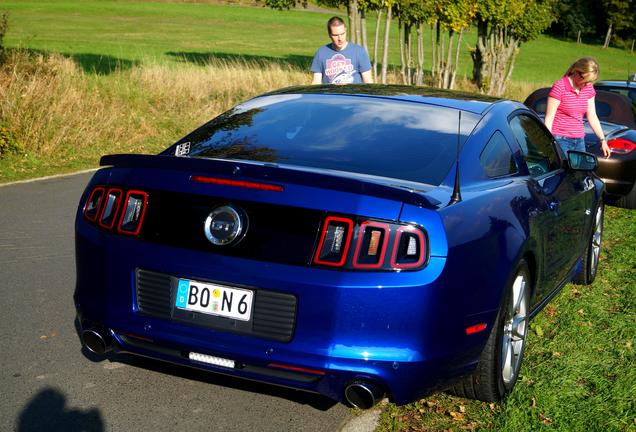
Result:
47,411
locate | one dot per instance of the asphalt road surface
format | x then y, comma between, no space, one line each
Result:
48,383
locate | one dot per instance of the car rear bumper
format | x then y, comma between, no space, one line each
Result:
404,332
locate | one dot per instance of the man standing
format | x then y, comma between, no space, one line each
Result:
340,62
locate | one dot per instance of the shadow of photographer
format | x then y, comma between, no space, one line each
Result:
47,411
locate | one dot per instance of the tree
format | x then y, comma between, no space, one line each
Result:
502,25
618,17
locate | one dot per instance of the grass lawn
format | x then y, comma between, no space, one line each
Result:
101,34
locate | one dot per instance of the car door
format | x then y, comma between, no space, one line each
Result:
563,200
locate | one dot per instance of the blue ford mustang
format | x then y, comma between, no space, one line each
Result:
353,241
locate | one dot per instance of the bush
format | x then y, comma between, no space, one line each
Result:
8,143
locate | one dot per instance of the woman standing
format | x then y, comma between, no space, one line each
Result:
570,98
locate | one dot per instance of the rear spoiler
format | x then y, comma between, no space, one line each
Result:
270,172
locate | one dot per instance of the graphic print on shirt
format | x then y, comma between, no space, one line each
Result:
339,70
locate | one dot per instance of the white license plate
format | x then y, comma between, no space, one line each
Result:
214,299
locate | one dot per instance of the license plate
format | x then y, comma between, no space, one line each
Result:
214,299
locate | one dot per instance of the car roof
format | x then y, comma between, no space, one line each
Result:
464,101
617,83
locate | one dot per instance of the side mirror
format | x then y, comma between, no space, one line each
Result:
582,161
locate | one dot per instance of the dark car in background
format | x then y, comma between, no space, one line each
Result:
353,241
619,125
625,88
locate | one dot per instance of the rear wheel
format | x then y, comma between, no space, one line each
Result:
587,274
500,361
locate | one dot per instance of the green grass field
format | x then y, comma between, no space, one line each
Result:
86,78
102,34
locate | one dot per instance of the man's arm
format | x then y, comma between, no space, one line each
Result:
367,77
317,78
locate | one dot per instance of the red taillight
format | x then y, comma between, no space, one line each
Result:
110,208
116,207
371,247
133,213
238,183
380,246
334,241
621,145
92,207
409,249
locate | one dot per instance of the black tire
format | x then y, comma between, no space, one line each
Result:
592,253
627,201
500,361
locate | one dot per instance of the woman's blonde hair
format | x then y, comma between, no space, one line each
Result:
587,67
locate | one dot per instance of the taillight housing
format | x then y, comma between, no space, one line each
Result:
94,204
116,209
370,245
132,215
621,145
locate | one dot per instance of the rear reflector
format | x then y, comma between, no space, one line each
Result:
216,361
296,369
334,241
476,328
621,145
238,183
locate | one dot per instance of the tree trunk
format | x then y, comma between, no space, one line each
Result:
608,36
456,65
433,51
363,28
419,74
402,60
480,55
375,45
353,21
385,52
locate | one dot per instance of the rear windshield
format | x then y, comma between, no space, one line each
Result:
366,135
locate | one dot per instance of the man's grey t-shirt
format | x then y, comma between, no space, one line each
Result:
341,67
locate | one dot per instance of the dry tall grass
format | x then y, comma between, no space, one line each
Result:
55,109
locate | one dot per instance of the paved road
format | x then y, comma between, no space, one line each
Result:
47,383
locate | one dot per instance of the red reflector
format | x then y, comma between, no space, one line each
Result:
238,183
296,368
621,145
476,328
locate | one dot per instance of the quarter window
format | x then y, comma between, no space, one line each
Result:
537,145
496,158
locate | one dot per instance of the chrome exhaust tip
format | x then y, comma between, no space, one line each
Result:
363,395
96,342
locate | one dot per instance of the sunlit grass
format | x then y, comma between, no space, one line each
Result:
579,373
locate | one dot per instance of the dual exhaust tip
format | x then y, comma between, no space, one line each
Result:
359,394
96,341
363,394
